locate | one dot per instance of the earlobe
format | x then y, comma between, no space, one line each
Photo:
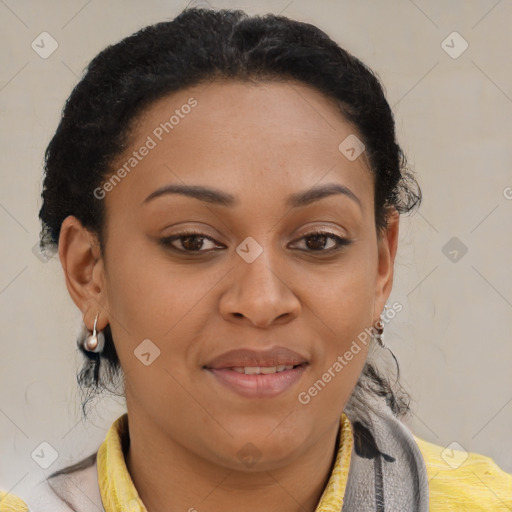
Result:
81,260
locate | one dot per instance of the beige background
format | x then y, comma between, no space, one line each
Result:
453,337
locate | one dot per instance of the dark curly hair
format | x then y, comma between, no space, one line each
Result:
199,46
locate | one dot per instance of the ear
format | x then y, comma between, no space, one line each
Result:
82,262
387,243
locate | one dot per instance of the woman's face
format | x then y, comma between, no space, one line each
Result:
253,276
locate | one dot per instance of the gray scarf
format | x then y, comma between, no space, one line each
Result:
387,471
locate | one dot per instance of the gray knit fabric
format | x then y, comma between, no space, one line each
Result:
77,491
387,471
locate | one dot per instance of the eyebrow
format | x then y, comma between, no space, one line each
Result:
218,197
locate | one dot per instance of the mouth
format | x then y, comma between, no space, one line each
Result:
254,374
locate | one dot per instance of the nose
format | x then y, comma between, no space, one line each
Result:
259,295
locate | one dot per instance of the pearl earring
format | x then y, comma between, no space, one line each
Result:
379,335
95,341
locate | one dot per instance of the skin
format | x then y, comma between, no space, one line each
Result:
260,143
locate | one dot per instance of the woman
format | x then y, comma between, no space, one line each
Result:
225,193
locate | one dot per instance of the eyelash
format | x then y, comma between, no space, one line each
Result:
167,242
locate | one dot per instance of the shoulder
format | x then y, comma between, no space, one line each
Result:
11,503
40,498
462,481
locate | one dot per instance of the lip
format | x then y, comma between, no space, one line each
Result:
275,356
259,385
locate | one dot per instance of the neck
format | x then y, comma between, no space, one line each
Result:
169,477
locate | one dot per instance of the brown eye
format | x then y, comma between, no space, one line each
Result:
316,242
323,241
192,242
189,242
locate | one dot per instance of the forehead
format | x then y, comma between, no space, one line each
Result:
276,136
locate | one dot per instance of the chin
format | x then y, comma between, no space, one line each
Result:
261,447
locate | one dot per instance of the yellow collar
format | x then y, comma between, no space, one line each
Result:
119,494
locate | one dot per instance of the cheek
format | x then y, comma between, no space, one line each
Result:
329,389
343,306
343,295
144,294
151,299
